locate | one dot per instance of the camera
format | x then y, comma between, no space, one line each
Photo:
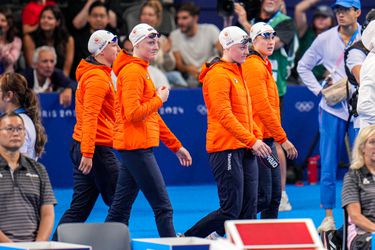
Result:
225,7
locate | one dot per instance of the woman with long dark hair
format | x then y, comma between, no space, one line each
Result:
10,44
17,97
52,31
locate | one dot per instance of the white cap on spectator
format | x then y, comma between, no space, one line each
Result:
140,32
232,35
99,40
368,36
260,28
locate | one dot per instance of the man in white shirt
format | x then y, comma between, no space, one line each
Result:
328,49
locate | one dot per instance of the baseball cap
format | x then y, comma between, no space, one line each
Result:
140,32
323,10
99,40
260,28
348,4
232,35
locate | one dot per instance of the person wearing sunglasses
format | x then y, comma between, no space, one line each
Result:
257,72
233,139
95,166
282,59
138,129
328,49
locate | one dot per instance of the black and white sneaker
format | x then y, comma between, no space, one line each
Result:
330,240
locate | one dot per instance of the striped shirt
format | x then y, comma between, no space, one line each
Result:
21,196
359,186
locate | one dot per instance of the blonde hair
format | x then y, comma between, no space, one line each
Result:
156,6
357,154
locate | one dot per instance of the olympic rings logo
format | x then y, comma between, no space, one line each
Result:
304,106
202,109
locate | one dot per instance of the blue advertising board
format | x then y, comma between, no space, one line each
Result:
186,116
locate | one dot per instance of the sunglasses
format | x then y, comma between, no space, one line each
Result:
114,39
268,35
341,9
154,35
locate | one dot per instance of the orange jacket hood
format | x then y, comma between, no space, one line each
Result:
124,59
95,102
218,62
88,64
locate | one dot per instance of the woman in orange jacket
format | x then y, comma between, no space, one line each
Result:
231,133
95,164
257,73
138,129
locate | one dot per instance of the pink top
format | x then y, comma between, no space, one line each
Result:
9,54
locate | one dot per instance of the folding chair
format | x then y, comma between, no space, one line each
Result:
101,236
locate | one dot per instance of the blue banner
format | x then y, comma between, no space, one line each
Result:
186,115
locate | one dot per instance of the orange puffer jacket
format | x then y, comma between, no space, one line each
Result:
138,124
264,95
95,102
230,121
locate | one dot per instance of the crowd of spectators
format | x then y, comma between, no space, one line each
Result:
185,45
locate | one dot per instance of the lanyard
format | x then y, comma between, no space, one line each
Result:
273,18
352,39
269,21
341,57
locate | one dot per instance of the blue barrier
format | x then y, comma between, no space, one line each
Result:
185,114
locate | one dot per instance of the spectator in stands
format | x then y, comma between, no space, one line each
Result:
10,44
328,48
31,13
16,97
27,199
323,19
257,73
95,166
150,13
139,128
193,44
44,77
366,96
231,133
80,11
354,57
51,32
282,59
98,19
358,190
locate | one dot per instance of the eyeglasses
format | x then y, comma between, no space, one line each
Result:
268,35
341,10
154,35
11,130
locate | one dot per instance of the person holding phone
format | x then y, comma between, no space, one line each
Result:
257,72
